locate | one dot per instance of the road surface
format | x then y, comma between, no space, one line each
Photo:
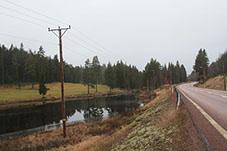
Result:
212,105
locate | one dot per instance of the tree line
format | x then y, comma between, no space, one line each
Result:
18,66
203,70
219,66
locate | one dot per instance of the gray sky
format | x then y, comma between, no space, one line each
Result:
132,30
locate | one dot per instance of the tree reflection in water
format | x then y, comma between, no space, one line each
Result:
48,114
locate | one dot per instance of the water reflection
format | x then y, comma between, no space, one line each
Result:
49,114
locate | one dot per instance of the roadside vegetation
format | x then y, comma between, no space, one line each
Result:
155,126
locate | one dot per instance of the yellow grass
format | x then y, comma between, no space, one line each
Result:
214,83
12,93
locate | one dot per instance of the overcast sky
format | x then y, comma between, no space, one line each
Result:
132,30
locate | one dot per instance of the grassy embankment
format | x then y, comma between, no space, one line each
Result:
156,126
214,83
9,94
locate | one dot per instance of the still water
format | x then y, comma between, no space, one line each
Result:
47,116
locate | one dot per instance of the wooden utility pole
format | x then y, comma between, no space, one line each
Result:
59,34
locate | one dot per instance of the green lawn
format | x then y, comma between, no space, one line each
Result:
12,93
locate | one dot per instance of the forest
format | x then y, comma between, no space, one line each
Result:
204,70
219,66
18,66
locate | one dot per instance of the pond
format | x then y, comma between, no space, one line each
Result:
48,116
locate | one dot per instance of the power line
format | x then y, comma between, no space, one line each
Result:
36,25
33,11
52,18
73,52
87,48
27,39
19,18
73,41
36,18
39,41
42,21
97,45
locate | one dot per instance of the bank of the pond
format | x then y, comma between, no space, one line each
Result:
37,102
48,116
11,94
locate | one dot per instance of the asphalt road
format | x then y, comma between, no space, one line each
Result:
211,103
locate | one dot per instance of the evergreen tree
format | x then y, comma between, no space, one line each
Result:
30,73
183,74
153,74
87,74
110,76
96,70
201,64
42,88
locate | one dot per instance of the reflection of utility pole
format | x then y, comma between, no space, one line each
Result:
224,76
60,35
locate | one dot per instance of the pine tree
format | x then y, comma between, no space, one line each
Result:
87,74
42,88
201,64
183,74
110,76
96,70
30,73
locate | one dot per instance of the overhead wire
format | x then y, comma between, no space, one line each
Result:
42,21
33,11
98,46
19,18
27,39
32,17
39,41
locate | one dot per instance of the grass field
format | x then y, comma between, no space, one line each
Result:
26,93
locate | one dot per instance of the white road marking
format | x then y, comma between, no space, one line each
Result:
218,127
224,96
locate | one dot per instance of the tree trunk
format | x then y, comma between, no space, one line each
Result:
96,86
32,85
88,89
19,85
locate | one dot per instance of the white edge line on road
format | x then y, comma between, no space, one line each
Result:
218,127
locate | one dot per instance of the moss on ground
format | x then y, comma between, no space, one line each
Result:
148,131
